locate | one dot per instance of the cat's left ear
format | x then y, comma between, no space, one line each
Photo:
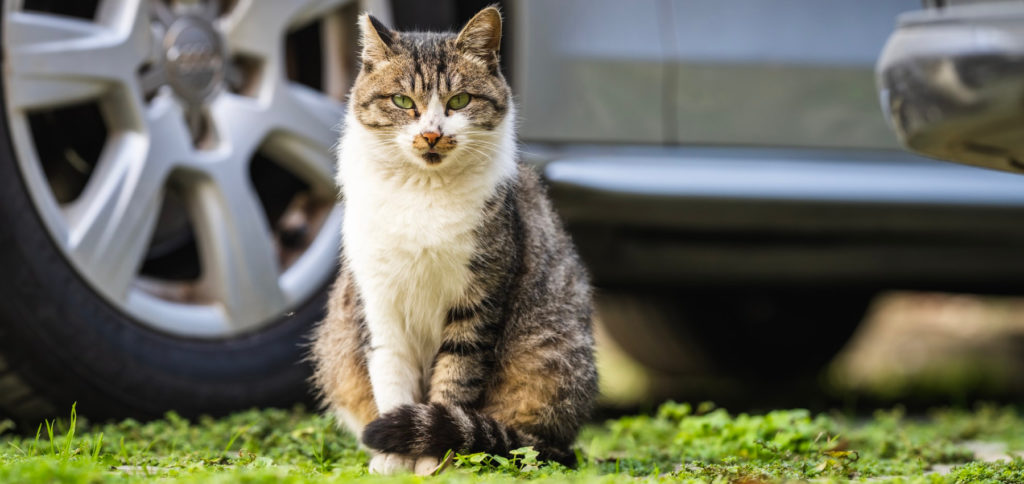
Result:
482,34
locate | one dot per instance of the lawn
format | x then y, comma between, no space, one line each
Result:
678,443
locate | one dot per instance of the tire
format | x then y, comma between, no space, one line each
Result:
65,339
60,342
774,335
760,336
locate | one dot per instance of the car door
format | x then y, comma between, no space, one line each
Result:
779,73
592,70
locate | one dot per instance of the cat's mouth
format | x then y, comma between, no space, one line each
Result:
432,157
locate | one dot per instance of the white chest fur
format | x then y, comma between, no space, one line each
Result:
408,239
409,255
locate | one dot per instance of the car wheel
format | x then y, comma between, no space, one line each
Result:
167,201
786,333
773,334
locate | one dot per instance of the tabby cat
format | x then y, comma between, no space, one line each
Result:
461,318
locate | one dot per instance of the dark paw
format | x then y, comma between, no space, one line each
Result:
391,432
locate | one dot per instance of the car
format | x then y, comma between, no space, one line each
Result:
169,216
950,77
725,168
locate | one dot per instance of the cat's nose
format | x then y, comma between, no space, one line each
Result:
431,137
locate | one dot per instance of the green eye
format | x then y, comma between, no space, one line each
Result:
458,101
404,102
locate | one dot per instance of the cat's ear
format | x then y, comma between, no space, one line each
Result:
482,34
377,39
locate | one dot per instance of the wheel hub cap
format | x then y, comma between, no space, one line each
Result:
194,53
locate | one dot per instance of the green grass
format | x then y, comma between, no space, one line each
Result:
677,444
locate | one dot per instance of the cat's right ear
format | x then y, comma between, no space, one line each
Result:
377,40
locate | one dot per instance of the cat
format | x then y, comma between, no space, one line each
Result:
461,316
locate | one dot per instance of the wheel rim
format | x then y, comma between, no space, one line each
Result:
190,94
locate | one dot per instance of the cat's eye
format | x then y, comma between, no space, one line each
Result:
404,102
458,101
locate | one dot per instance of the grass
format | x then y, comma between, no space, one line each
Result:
679,443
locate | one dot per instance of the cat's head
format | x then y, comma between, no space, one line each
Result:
433,99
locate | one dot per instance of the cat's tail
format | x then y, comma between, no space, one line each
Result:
433,429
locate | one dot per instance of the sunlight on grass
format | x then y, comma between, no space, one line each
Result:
679,443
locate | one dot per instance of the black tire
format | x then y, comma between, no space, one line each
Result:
752,335
60,342
774,334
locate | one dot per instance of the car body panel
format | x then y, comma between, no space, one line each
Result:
702,72
726,216
780,73
591,71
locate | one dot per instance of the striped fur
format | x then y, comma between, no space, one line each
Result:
461,319
432,429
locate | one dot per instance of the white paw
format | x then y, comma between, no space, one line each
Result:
426,466
389,464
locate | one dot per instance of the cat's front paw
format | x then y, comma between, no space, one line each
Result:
426,466
389,464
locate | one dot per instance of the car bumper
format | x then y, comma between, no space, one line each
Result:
748,216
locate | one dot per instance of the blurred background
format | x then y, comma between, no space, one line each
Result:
756,233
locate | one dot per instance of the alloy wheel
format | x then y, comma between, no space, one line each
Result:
180,152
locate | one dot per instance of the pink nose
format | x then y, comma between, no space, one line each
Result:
431,137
